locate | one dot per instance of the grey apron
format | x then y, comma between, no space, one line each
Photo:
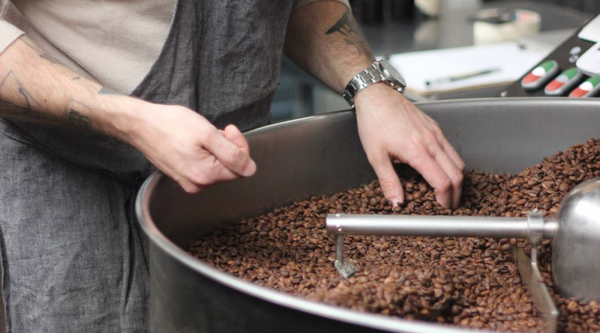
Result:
73,257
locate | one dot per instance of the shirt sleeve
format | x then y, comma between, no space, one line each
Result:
306,2
8,34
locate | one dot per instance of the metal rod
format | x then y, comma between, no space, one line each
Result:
528,268
344,267
339,248
434,226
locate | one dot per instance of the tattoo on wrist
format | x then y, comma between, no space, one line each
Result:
12,82
348,27
78,114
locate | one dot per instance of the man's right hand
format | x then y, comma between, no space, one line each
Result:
181,143
188,148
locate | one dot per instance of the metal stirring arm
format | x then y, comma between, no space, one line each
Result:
533,227
528,268
440,226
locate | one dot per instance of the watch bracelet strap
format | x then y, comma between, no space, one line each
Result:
370,75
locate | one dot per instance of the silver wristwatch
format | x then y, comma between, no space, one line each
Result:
379,71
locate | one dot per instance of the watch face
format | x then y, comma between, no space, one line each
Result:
392,72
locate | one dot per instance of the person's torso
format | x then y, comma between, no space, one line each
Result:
115,42
219,57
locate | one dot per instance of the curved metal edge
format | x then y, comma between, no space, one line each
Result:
516,100
374,321
520,101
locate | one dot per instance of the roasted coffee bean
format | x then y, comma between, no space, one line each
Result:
467,282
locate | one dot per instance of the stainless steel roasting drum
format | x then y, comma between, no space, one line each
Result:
322,155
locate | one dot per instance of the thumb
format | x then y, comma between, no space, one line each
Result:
233,134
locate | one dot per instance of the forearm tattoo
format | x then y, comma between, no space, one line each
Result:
349,28
25,101
78,114
106,91
40,52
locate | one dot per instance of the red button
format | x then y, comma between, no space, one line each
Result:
578,93
530,78
554,85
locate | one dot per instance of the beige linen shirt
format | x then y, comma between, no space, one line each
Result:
114,43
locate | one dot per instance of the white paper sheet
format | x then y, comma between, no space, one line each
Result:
512,59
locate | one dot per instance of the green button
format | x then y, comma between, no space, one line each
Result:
594,80
547,65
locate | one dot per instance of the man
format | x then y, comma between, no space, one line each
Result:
77,139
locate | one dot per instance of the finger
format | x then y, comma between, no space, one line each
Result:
217,172
449,150
388,179
234,135
452,172
230,155
190,187
435,176
211,172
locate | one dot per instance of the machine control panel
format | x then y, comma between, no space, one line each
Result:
572,69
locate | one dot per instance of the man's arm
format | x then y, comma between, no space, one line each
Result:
184,145
325,40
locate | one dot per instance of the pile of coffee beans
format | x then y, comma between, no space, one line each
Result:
468,282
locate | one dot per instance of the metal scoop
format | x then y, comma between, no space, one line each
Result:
576,234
